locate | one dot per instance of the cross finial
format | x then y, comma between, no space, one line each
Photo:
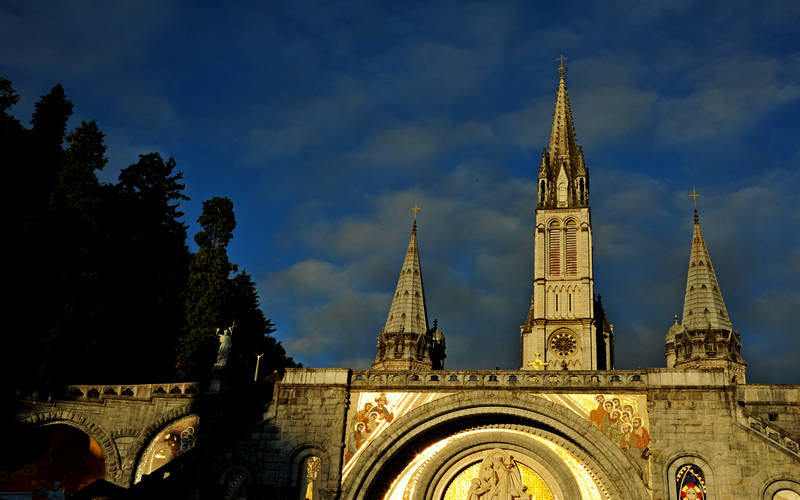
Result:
561,68
415,209
694,195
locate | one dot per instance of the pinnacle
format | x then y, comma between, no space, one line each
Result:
408,312
703,307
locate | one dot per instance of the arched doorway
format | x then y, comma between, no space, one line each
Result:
433,446
57,453
170,442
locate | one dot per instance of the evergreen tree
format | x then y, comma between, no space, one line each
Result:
209,289
150,267
46,139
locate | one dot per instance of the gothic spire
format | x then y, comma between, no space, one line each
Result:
703,307
408,313
562,134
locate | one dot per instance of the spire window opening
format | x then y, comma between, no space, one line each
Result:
582,192
541,192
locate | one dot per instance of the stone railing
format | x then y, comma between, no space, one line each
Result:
770,433
135,391
452,379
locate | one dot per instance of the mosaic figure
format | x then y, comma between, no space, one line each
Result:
691,483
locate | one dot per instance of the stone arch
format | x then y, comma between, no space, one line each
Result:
91,429
775,486
144,437
677,459
462,410
449,459
299,453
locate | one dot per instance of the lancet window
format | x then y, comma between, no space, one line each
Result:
554,235
562,248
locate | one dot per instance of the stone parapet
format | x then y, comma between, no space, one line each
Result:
136,391
610,380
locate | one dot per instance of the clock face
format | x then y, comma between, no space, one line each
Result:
563,343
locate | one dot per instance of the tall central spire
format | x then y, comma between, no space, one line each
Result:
561,327
563,178
562,134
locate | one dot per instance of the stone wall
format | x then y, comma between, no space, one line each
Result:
696,416
122,419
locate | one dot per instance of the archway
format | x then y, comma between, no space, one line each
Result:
61,456
384,459
170,442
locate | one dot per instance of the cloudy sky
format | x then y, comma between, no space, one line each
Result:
325,123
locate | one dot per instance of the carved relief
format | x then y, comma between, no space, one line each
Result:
499,478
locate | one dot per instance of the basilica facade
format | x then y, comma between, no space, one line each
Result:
567,424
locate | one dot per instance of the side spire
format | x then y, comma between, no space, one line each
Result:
705,338
406,343
408,312
703,306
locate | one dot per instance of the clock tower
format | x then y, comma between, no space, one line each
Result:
562,328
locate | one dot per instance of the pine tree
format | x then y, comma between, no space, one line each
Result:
209,288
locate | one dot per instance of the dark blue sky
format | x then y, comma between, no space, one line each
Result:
326,122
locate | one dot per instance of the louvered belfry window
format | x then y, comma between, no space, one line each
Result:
555,248
571,250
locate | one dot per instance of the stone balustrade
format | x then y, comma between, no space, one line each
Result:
450,379
134,391
773,434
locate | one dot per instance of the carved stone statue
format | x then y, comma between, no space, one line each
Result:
225,343
498,479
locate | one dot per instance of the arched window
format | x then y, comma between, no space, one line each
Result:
571,250
690,483
309,478
554,244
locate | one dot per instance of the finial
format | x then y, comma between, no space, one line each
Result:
415,209
436,322
561,68
694,195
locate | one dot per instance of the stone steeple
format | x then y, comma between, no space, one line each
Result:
563,177
408,312
703,306
561,327
705,338
406,342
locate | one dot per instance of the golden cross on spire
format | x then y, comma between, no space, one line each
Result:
561,68
694,195
415,209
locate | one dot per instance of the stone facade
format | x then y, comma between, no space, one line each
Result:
122,419
567,424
